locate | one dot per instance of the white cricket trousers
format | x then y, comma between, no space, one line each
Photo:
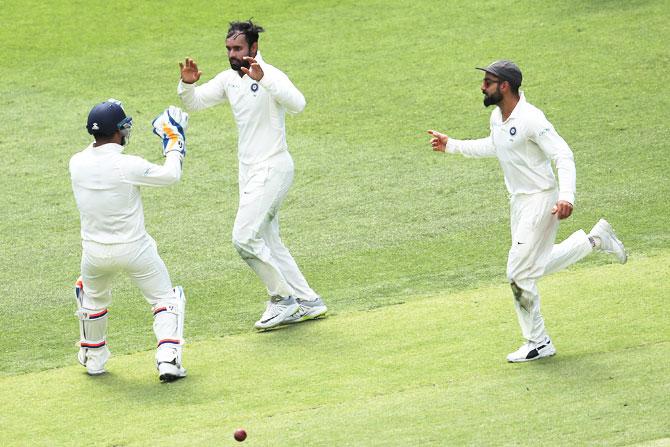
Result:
100,263
263,187
533,254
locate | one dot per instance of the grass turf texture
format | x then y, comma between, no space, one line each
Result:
429,372
374,218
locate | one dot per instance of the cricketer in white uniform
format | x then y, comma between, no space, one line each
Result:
526,144
259,95
106,185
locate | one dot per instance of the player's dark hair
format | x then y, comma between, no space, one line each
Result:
248,28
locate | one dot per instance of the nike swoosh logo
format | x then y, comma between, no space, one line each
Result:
269,319
520,243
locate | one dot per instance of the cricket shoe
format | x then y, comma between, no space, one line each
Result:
609,243
277,310
170,371
532,351
308,310
94,361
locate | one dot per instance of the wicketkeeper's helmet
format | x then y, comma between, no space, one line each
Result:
107,117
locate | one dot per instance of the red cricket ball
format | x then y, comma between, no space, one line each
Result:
240,435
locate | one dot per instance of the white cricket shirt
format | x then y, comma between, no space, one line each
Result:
106,188
258,107
525,144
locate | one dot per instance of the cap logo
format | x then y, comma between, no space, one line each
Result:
95,126
254,87
512,131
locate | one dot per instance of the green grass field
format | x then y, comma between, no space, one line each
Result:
408,247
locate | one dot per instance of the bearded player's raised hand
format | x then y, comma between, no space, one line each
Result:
254,71
189,71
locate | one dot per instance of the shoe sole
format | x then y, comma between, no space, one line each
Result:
167,377
278,320
171,373
621,256
307,317
533,359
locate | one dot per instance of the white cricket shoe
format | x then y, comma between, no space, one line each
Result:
277,310
94,360
609,243
308,310
170,371
532,351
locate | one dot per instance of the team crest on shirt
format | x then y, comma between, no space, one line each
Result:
512,131
254,87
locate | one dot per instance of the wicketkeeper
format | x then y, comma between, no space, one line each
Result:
106,185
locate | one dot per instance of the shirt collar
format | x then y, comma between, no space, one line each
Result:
109,147
518,107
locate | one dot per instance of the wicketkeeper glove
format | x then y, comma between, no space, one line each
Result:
171,126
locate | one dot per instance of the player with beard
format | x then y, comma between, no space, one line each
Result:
526,144
259,95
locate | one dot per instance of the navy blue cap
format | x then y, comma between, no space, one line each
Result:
505,70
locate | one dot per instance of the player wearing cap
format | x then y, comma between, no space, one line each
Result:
526,144
106,185
259,95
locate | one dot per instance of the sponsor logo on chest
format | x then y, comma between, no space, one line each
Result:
509,134
244,90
